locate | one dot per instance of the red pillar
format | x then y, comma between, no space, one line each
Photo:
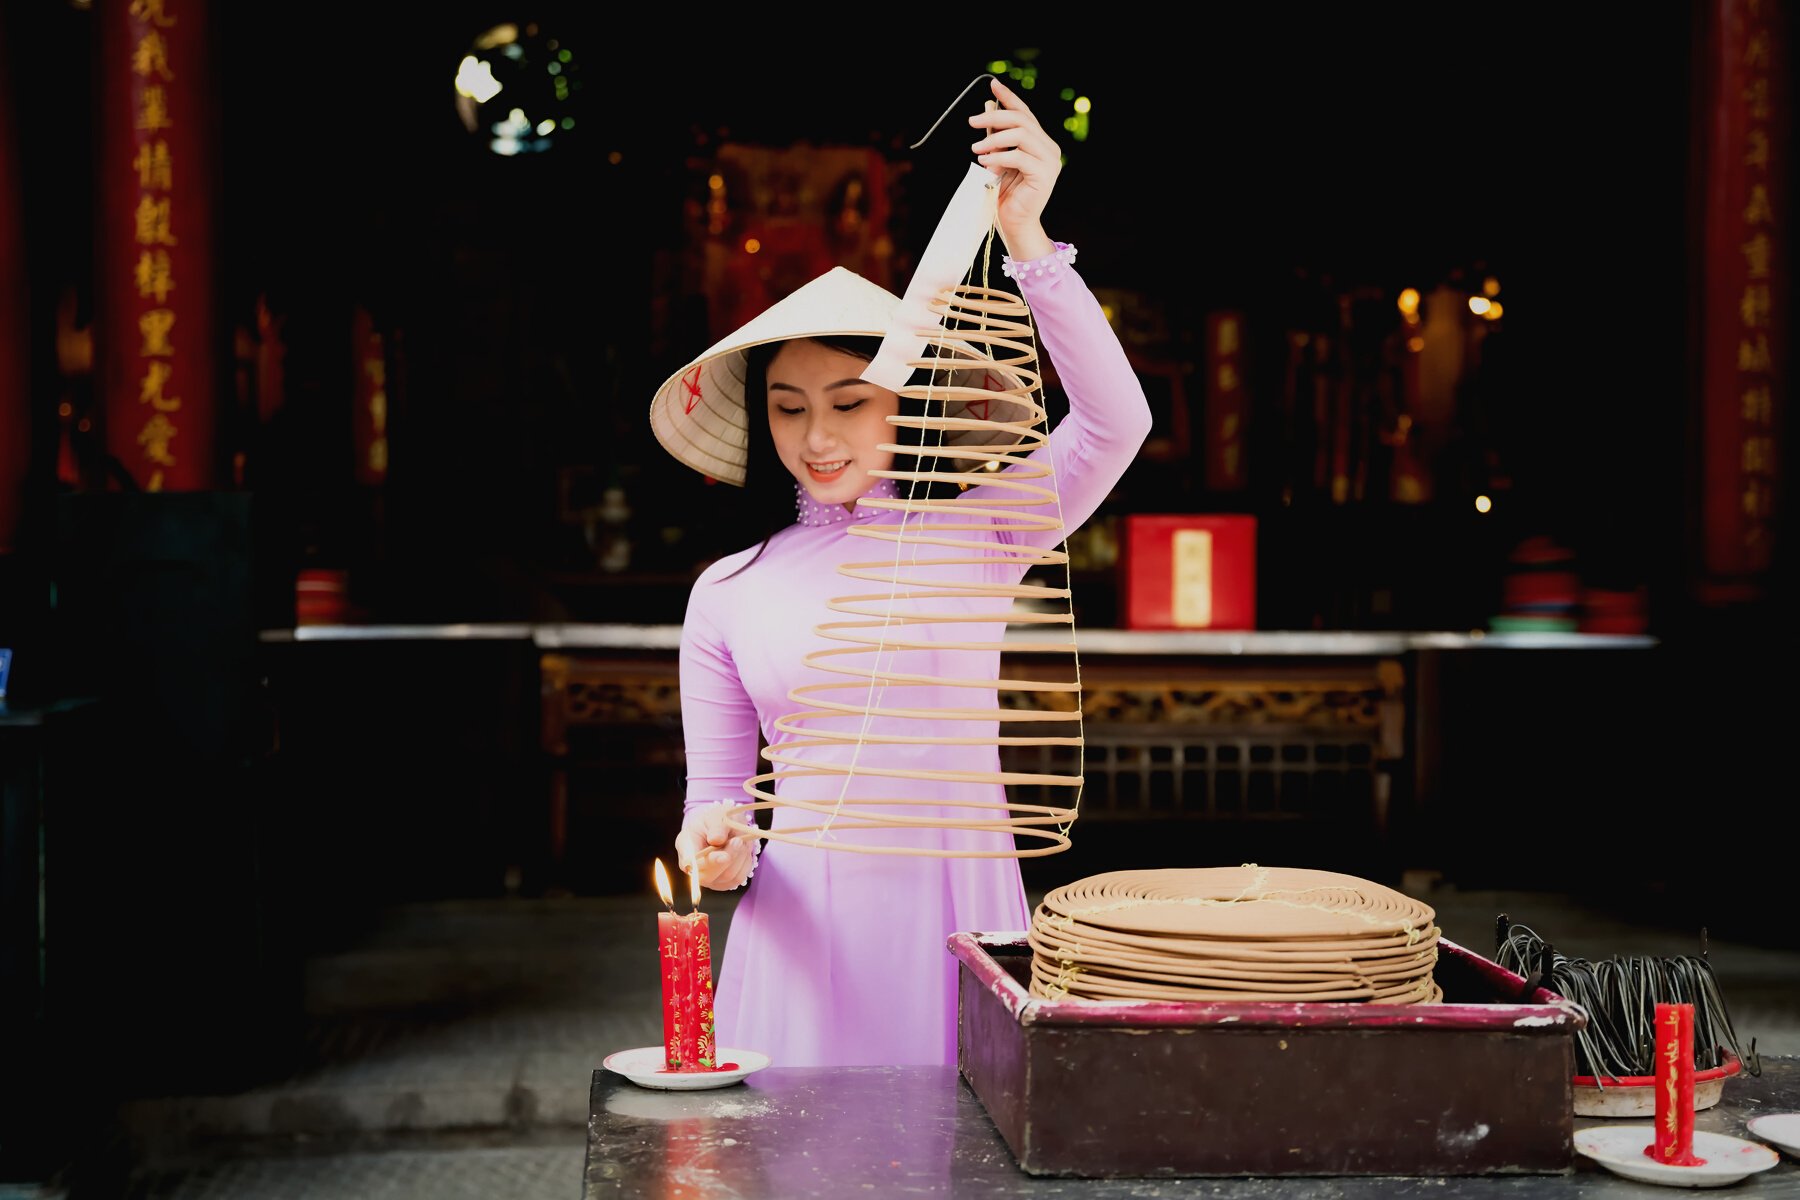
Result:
155,342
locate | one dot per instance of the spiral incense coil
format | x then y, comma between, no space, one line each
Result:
1233,933
1057,931
1088,952
1245,902
1051,983
946,593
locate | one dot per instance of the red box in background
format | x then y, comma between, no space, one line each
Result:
1181,571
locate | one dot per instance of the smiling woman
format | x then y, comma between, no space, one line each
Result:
828,426
835,962
820,413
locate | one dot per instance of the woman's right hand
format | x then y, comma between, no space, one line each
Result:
724,859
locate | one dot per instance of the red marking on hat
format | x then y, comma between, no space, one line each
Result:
693,388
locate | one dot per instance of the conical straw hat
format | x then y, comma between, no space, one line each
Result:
698,413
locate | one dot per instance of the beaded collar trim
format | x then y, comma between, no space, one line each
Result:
811,512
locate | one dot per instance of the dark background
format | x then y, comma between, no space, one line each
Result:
1261,162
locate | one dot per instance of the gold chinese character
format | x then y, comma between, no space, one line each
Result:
1228,336
155,221
156,377
1754,306
1759,211
1754,356
151,57
378,412
153,110
1756,53
1758,408
155,280
1757,154
378,455
156,326
1758,500
1228,377
1759,455
153,11
155,437
1756,256
1756,98
155,168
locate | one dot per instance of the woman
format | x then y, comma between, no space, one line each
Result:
838,958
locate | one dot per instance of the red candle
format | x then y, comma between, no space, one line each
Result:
1674,1143
686,947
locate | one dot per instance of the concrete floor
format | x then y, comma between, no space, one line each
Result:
451,1052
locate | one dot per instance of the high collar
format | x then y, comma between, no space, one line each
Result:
811,512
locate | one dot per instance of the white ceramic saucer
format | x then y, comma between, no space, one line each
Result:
1779,1129
644,1067
1620,1149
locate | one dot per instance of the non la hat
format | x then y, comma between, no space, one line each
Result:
698,413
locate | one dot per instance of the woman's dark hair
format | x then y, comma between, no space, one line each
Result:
768,485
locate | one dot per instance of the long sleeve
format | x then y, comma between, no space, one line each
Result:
1108,418
718,719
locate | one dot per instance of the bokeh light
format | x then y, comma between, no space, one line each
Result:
517,88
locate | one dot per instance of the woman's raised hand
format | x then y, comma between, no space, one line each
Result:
725,860
1016,148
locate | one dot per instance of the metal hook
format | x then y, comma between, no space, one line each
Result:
948,111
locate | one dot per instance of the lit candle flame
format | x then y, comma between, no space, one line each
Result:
662,884
694,887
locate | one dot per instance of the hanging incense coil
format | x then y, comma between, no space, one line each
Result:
1233,934
945,595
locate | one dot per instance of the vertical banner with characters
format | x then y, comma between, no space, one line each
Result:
1226,407
157,352
369,419
1744,290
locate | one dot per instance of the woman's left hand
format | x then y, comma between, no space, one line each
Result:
1016,148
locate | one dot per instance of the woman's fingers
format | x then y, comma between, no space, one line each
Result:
1032,140
1017,160
1004,118
684,851
1008,98
727,868
712,821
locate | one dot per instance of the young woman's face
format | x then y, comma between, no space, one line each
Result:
826,422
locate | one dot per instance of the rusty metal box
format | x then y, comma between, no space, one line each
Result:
1477,1085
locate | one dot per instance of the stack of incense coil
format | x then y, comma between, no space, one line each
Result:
1246,933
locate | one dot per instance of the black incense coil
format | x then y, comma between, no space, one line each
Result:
1245,933
1620,996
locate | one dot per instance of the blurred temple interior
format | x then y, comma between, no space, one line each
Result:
341,575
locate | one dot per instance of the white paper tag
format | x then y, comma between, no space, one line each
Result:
945,261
